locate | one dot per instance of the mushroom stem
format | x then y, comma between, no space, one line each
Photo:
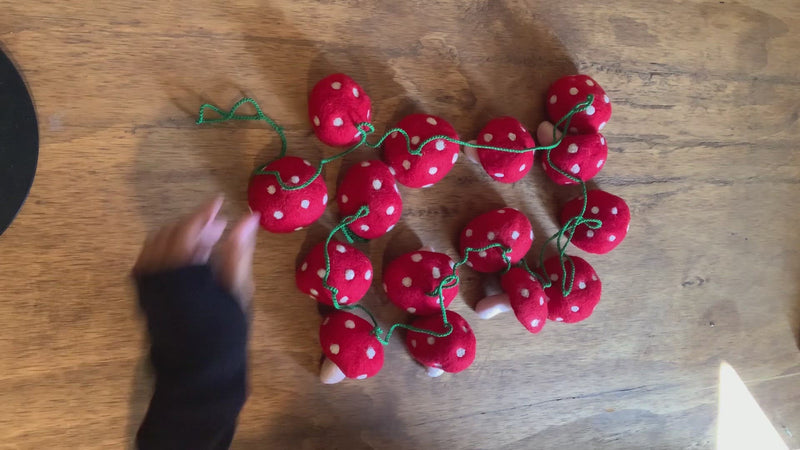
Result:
330,372
434,372
472,153
493,305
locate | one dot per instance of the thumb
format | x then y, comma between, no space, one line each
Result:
234,262
544,133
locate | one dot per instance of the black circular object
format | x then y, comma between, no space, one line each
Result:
19,142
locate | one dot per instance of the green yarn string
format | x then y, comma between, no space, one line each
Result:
562,238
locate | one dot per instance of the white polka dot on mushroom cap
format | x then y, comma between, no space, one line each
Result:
589,82
524,293
406,164
316,121
482,254
304,266
390,210
468,233
436,273
594,277
325,199
553,99
355,92
581,285
327,319
531,235
365,164
349,274
590,110
431,340
490,235
575,168
376,184
433,170
340,248
367,274
278,215
321,273
512,137
574,309
522,167
572,148
535,323
370,352
336,85
271,189
606,99
431,121
573,91
440,145
345,198
455,157
499,175
334,349
600,163
295,179
411,310
416,257
344,299
337,122
464,327
364,227
349,324
427,186
590,233
554,276
392,171
487,137
415,140
361,377
559,319
515,235
595,210
601,126
541,301
612,238
461,352
414,341
305,204
614,210
501,211
406,281
313,292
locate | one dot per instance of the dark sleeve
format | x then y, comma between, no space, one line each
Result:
198,336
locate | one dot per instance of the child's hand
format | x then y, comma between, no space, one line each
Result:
192,240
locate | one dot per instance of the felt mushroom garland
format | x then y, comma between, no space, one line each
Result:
291,194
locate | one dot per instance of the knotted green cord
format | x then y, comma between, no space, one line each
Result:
447,282
568,229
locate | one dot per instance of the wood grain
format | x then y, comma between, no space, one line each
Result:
703,148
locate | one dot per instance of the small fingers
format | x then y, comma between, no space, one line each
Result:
235,263
544,133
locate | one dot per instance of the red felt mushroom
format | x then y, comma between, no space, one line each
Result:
370,183
585,294
436,159
505,167
410,279
524,294
335,106
505,226
351,273
282,210
580,155
611,210
452,353
350,348
567,92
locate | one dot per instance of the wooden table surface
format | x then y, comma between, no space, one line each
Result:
702,144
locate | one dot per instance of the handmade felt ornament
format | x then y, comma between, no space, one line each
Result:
283,210
580,155
505,167
585,293
370,183
568,91
523,294
350,348
336,105
452,353
505,226
350,273
611,210
436,159
410,279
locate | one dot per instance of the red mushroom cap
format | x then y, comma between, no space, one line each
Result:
567,92
505,226
583,298
335,106
409,279
610,209
284,211
505,132
370,183
351,273
580,155
347,340
436,159
452,353
527,298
